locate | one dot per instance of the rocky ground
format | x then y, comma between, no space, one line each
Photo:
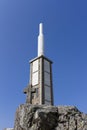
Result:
42,117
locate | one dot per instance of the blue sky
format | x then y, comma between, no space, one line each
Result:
65,30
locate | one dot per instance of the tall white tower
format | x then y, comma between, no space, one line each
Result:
40,87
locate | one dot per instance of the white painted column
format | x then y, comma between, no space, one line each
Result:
40,41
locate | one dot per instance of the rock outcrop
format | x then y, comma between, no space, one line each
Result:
42,117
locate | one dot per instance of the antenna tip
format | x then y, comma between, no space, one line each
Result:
41,28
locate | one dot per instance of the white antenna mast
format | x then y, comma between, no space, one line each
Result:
40,41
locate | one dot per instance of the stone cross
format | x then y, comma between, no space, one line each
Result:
29,91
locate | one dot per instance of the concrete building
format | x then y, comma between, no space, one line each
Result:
40,87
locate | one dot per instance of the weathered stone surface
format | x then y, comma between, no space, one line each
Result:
70,118
42,117
33,117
